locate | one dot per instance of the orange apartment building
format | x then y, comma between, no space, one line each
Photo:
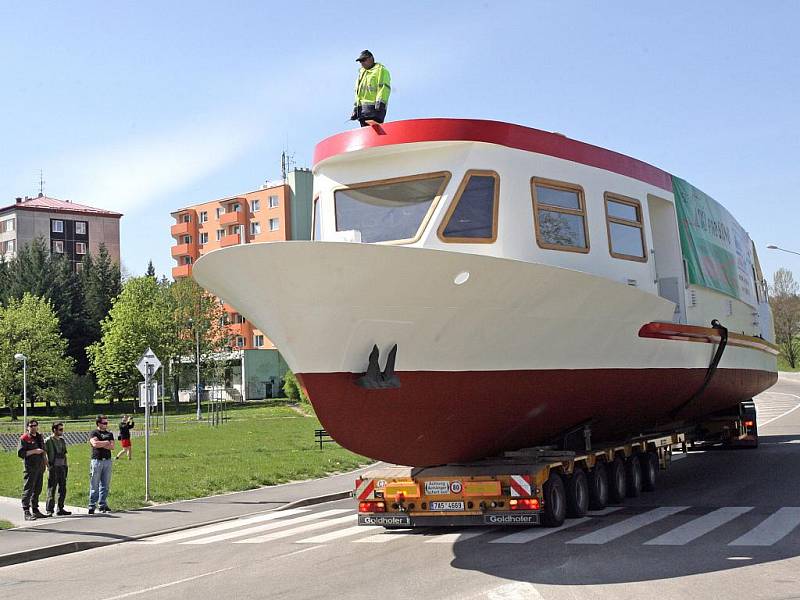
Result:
273,213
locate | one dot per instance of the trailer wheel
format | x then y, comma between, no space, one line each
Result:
555,502
649,471
617,482
577,494
633,472
598,487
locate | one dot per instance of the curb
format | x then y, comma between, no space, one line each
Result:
71,547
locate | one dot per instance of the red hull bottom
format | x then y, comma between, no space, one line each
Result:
438,417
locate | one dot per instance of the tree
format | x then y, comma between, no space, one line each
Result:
4,266
195,314
30,326
151,270
165,316
79,397
293,389
785,304
138,319
101,284
38,272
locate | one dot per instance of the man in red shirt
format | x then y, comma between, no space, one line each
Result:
31,450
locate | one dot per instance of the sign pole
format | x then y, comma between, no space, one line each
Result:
149,399
148,364
163,408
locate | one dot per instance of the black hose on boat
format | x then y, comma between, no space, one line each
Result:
723,332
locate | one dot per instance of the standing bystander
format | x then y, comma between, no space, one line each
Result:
56,448
102,442
31,450
125,427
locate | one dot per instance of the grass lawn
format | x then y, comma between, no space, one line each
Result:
5,524
186,414
258,446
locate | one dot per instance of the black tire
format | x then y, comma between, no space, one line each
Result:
633,473
555,501
577,494
617,481
598,487
649,471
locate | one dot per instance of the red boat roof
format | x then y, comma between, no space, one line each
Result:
492,132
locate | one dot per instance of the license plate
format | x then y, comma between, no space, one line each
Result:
446,506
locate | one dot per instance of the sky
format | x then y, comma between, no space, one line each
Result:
145,107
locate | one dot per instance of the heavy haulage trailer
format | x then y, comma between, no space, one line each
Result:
537,486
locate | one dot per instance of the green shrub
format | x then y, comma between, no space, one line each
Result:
292,389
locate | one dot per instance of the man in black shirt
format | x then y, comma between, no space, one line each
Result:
31,450
102,442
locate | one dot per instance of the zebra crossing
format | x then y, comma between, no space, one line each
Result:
613,524
771,406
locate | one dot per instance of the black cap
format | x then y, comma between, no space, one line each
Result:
365,54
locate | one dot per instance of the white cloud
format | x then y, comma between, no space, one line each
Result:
128,174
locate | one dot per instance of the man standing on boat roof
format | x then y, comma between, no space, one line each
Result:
372,91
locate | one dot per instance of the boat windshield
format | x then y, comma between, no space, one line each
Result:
392,210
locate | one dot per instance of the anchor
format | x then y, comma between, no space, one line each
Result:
373,379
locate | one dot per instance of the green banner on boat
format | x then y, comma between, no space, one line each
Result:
718,252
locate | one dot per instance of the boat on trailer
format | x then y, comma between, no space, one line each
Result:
473,287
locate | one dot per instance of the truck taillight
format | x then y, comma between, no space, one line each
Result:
371,507
524,504
749,423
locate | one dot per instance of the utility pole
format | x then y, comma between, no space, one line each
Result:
197,366
24,359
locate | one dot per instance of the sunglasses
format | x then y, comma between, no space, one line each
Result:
33,425
103,423
60,429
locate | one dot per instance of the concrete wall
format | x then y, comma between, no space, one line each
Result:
261,367
301,182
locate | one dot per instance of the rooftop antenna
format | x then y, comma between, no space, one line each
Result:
41,183
287,163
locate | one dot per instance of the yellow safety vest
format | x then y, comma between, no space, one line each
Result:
373,85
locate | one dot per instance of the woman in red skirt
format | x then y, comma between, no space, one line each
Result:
125,427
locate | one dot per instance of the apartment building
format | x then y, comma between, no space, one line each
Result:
68,228
273,213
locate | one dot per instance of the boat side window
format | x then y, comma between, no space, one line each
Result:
625,227
395,210
559,212
472,216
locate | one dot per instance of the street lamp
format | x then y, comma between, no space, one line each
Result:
774,247
197,366
19,356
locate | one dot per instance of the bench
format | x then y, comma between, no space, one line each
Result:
322,437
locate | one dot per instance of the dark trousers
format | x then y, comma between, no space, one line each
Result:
370,114
32,487
57,478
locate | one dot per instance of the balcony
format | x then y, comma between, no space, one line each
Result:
229,240
184,250
233,218
181,271
183,229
